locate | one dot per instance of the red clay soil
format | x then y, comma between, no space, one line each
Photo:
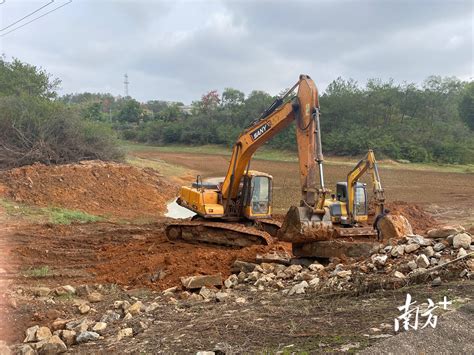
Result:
141,258
128,255
143,262
99,188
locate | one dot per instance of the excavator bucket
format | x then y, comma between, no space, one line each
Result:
302,225
314,235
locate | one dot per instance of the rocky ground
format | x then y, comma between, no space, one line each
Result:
261,307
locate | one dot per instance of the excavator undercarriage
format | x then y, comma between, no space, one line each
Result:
232,234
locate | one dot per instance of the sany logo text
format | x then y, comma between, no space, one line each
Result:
260,131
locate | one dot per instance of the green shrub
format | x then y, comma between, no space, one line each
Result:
38,130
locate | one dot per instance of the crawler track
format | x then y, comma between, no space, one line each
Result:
227,234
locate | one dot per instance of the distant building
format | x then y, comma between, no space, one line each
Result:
186,109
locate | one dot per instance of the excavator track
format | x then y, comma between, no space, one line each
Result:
220,233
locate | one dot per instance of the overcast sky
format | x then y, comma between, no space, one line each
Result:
177,50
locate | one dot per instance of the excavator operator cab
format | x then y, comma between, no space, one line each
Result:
339,210
257,193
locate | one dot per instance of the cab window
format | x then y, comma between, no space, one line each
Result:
341,190
260,194
360,201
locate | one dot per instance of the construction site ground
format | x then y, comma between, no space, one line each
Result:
448,196
124,254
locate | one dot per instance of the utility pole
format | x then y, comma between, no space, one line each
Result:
126,82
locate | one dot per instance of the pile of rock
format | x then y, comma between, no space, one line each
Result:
293,279
62,334
403,258
42,340
414,255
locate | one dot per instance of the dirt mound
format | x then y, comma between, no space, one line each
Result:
419,219
99,188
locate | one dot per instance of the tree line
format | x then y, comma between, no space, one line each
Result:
428,122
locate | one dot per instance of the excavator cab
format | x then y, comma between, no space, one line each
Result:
338,208
257,193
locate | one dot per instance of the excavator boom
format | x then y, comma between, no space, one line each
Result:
304,109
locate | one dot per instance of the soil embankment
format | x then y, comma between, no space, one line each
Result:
100,188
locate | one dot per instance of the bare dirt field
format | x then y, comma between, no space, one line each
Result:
127,258
447,195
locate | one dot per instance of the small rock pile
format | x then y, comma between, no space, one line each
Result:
416,255
116,323
398,262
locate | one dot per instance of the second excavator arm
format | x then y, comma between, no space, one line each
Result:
304,109
368,163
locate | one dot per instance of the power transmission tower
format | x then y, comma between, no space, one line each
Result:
126,82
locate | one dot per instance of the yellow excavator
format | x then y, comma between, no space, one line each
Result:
236,210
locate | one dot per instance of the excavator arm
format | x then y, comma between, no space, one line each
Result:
368,163
304,109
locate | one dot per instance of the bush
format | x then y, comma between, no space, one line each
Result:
34,129
414,153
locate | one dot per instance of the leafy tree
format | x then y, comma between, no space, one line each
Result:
36,128
466,105
93,111
209,102
18,79
130,112
232,97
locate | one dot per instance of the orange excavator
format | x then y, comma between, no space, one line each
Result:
236,210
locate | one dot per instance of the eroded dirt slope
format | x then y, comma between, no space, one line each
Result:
99,188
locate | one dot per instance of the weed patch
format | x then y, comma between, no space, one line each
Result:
55,215
43,271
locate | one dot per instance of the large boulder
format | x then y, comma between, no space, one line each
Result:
444,231
410,248
192,282
68,336
54,345
422,261
86,336
136,308
43,333
394,226
298,288
243,266
30,334
462,240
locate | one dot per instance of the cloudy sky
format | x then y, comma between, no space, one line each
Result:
177,50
